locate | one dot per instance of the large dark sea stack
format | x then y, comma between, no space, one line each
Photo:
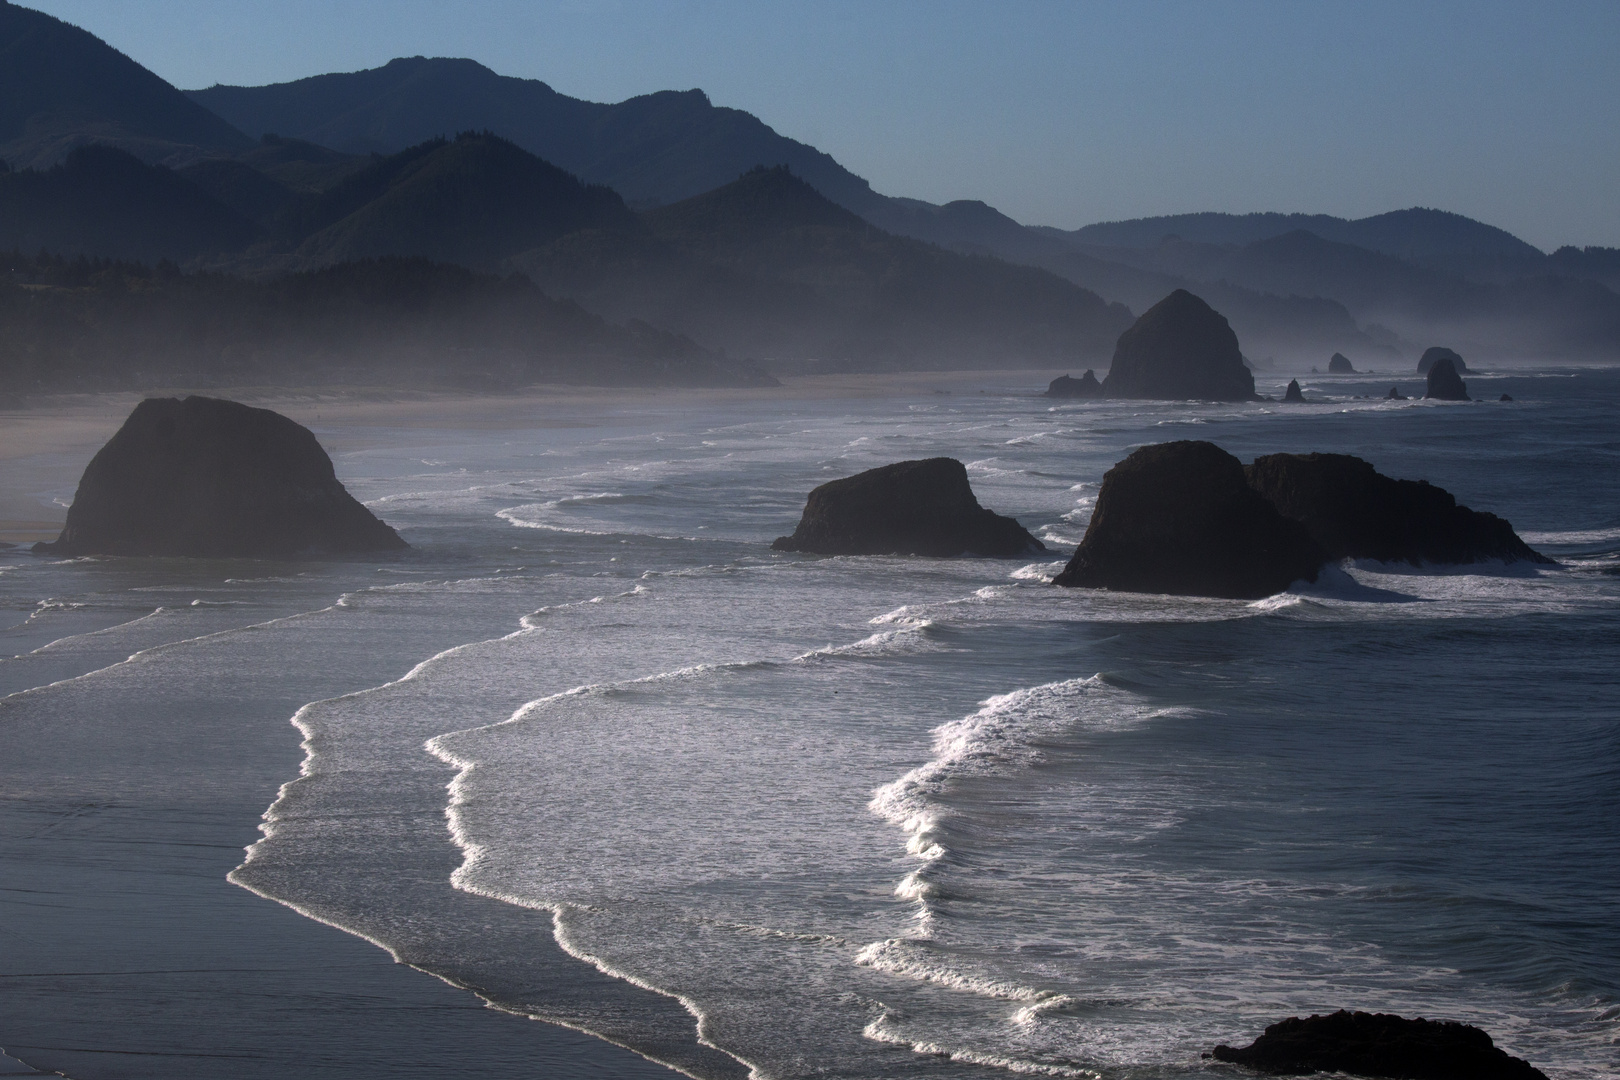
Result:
1339,364
1380,1045
1433,356
201,476
1180,518
1444,382
908,508
1180,348
1086,386
1293,393
1356,512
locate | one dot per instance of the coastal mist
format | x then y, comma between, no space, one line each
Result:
593,751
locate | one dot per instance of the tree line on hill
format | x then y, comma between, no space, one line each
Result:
95,324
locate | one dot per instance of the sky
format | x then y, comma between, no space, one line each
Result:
1057,112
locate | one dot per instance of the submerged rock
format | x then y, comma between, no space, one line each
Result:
1436,354
908,508
1293,392
1180,348
1445,384
1394,395
1355,512
1181,518
1339,364
1379,1045
203,476
1086,386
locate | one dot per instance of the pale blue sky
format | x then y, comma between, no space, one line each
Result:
1058,113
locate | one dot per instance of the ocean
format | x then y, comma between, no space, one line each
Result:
594,753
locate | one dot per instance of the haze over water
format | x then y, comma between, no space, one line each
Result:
854,817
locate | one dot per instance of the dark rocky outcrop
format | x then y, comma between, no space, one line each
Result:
1086,386
1355,512
908,508
1293,393
1379,1045
1444,382
1436,354
1180,348
202,476
1181,518
1394,394
1505,397
1339,364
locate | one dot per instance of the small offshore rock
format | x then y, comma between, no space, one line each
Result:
1505,397
1086,386
208,477
1293,392
1181,518
908,508
1339,364
1444,382
1436,354
1394,394
1180,348
1356,512
1379,1045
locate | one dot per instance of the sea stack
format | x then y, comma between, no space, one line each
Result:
1181,518
1293,393
1086,386
1444,382
207,477
1355,512
1339,364
908,508
1379,1045
1436,354
1180,348
1394,394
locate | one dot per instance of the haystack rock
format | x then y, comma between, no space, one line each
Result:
1394,394
1086,386
1293,393
207,477
1180,348
1379,1045
908,508
1339,364
1444,382
1436,354
1355,512
1181,518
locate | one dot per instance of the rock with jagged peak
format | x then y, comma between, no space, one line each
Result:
1066,386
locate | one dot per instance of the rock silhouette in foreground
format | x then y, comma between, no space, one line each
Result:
1433,356
1355,512
1444,382
1379,1045
1339,364
1293,393
1181,518
1086,386
908,508
203,476
1180,348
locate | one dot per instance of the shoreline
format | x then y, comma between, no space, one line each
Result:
55,437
